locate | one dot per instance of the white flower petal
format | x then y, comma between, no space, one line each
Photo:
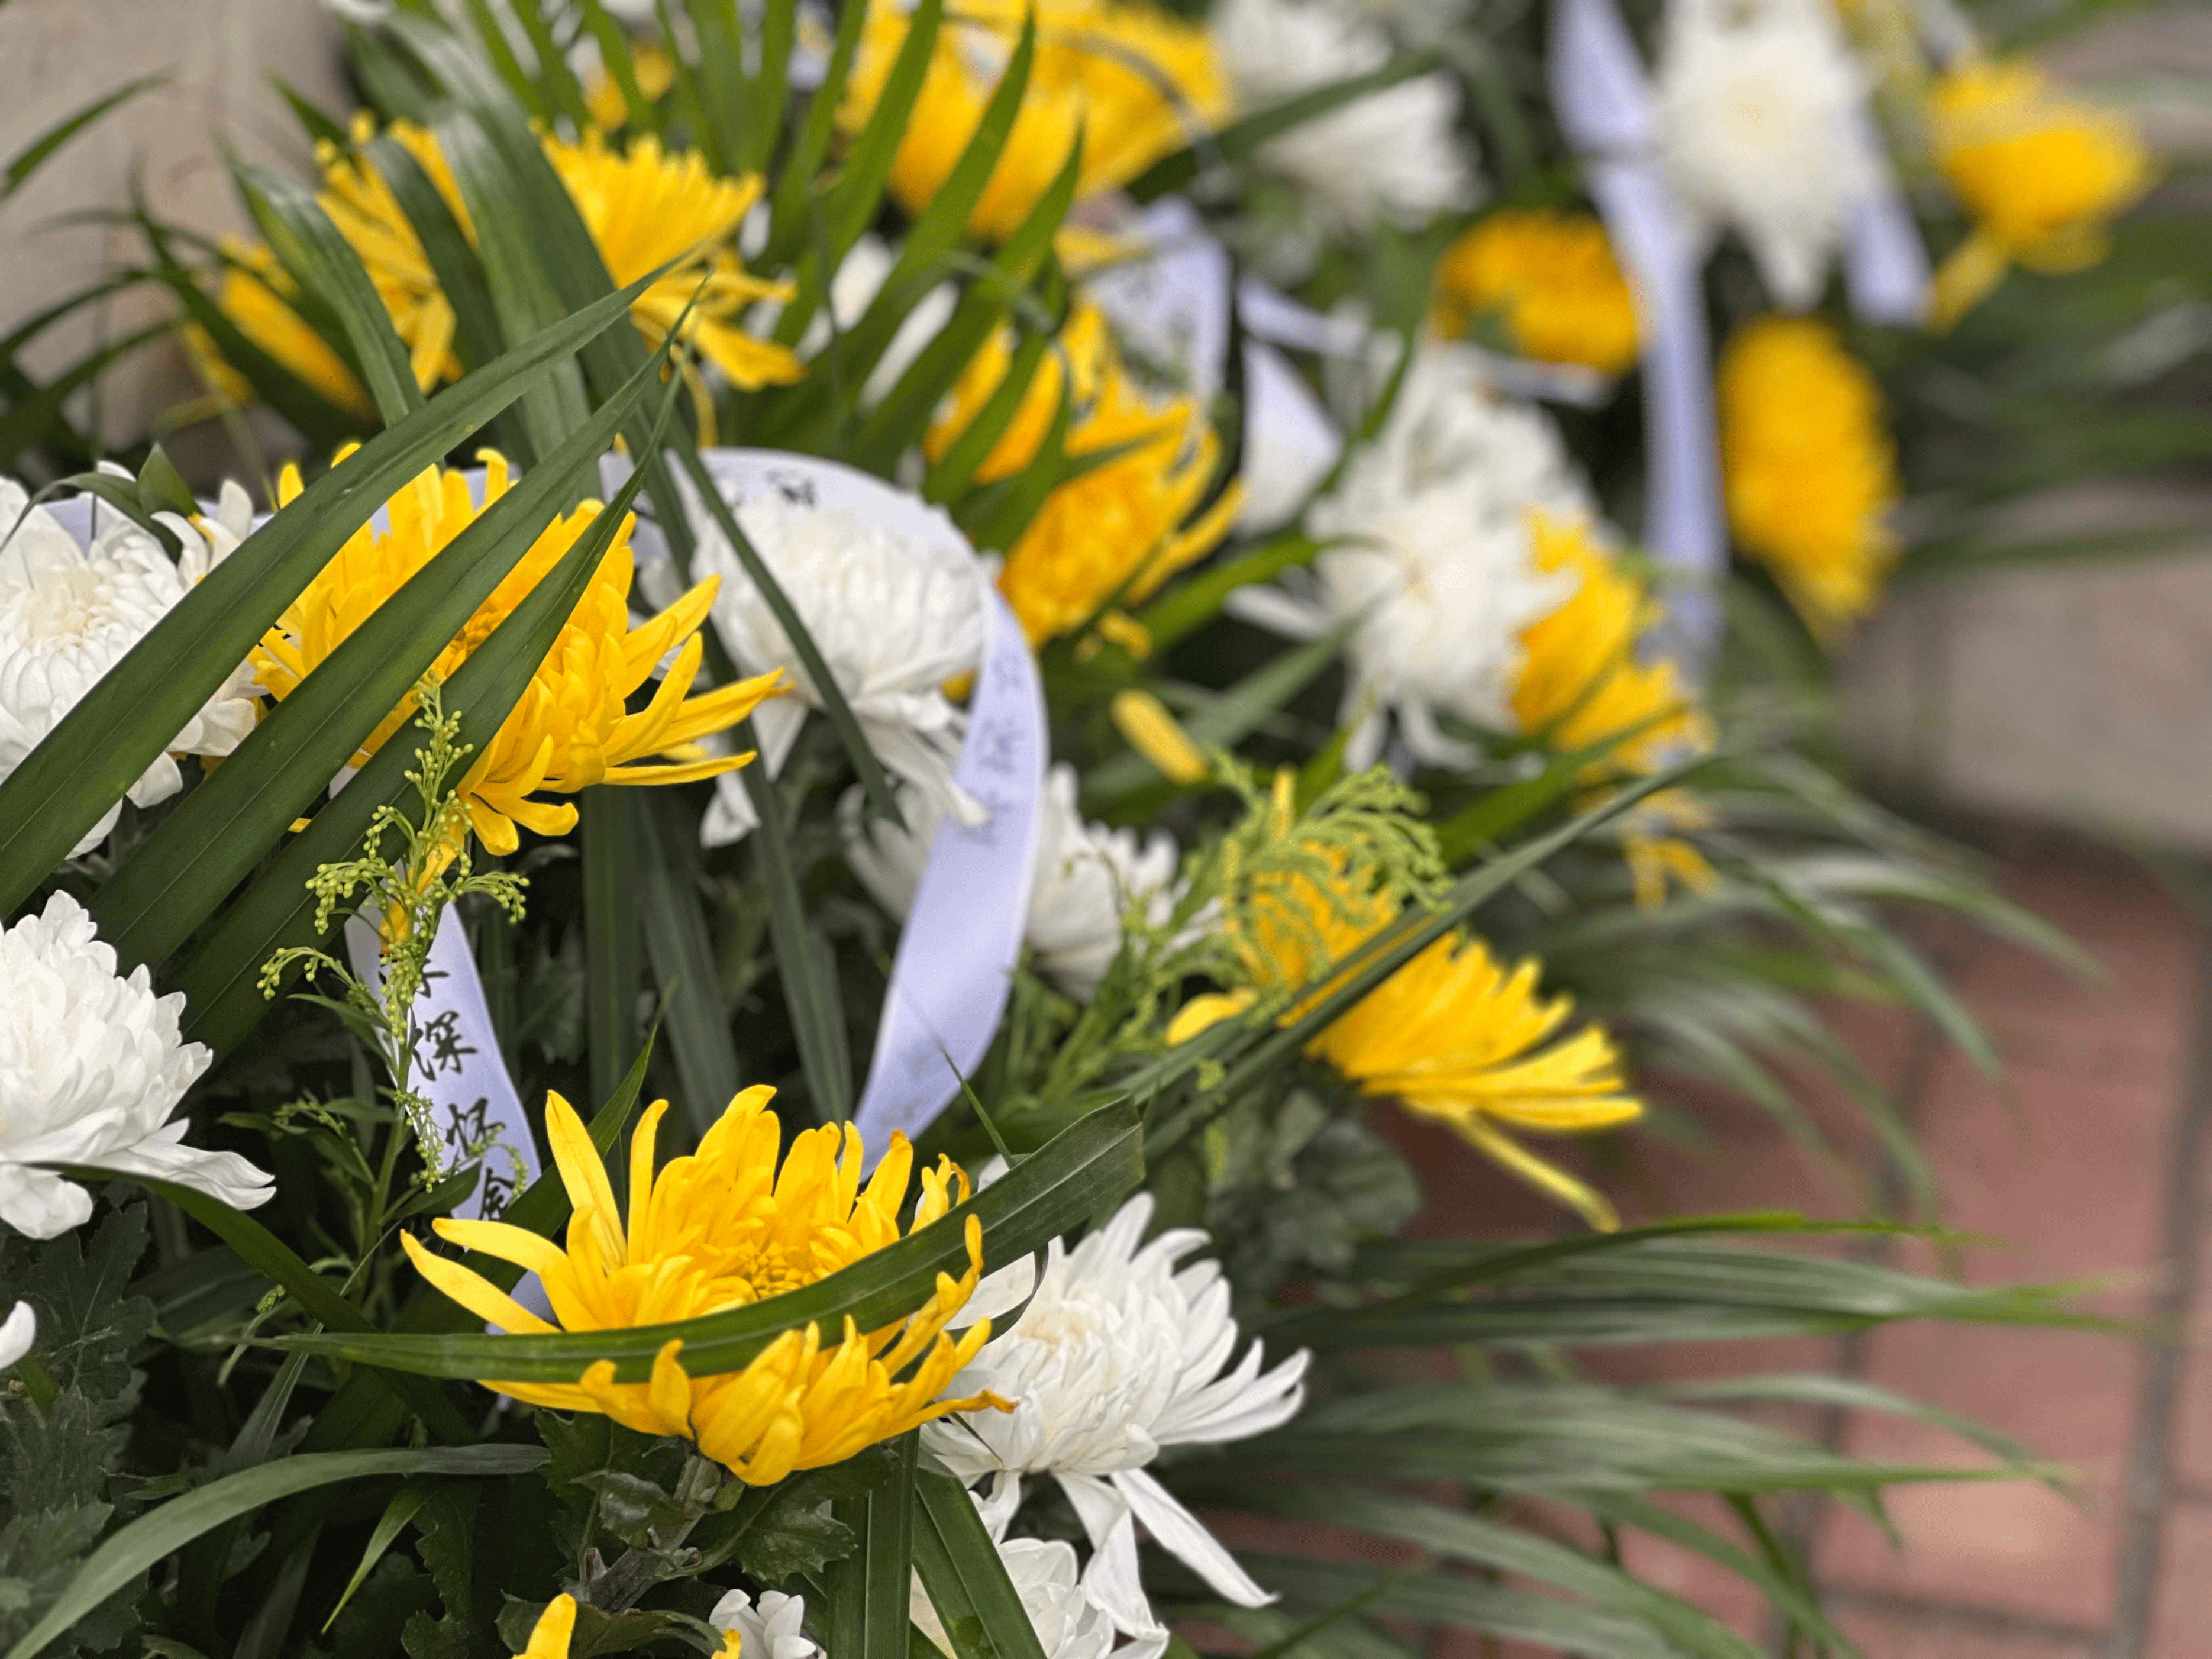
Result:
17,1333
92,1067
1180,1533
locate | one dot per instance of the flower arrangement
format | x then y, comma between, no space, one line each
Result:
1120,539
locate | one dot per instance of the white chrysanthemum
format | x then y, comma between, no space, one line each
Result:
893,618
91,1066
1431,553
1755,100
771,1631
68,614
1086,876
1396,154
1068,1624
17,1333
1118,1354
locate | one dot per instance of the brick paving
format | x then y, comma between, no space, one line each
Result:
2091,1159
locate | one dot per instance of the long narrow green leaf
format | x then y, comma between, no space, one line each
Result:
796,189
967,1583
324,263
29,160
453,257
396,1514
1781,1590
613,844
940,226
499,52
949,477
221,979
1082,1170
614,53
1199,598
852,201
219,831
1231,715
522,298
869,1590
1515,1615
1242,138
771,86
682,951
1489,1544
323,424
30,420
160,1533
556,81
88,761
723,94
898,421
809,986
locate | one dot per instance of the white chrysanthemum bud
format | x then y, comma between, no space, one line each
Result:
69,614
1755,102
1086,876
17,1333
91,1066
770,1631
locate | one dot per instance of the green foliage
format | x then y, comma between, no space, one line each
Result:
61,1456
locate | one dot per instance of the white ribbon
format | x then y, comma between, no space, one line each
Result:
953,969
473,1100
1603,101
1885,271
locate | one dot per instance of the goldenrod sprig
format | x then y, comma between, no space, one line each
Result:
404,897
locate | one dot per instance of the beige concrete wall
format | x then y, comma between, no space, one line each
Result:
2080,693
57,56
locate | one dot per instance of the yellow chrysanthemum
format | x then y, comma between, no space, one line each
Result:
1582,685
1809,469
724,1228
1135,82
1581,682
1112,534
1451,1036
641,206
571,728
256,293
2042,173
644,206
369,217
1551,283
